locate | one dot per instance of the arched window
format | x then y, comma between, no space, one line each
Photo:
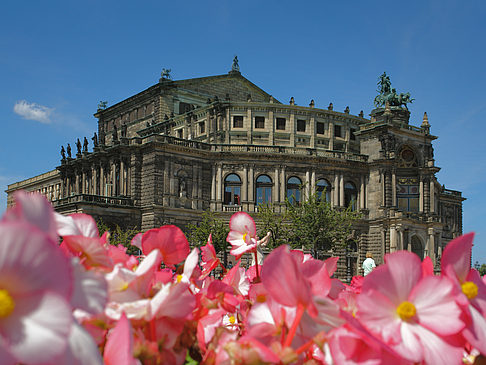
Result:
350,195
417,247
324,186
263,189
294,185
232,189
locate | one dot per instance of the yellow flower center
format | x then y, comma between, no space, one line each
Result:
406,310
470,289
124,287
232,319
244,237
179,278
261,298
7,304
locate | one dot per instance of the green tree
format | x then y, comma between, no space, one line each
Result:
480,267
210,224
276,224
313,224
119,236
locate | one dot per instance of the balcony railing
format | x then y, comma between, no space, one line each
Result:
232,208
96,199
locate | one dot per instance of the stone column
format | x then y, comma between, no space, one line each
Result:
251,189
76,188
276,190
249,126
292,128
122,178
383,193
421,194
312,131
244,188
102,180
219,189
362,193
313,182
283,179
213,187
341,191
331,135
432,195
394,189
271,121
307,185
393,239
335,196
401,244
431,245
113,178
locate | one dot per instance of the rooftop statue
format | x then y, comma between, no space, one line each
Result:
166,73
102,105
390,95
235,66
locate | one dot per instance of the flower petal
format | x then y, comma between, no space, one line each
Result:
436,308
242,222
458,255
38,330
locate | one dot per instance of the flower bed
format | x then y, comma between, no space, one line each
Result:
84,301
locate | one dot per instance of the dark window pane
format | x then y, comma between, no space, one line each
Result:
259,122
238,121
337,131
320,128
300,125
281,123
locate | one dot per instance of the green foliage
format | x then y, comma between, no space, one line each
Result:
313,224
210,224
276,224
480,267
119,236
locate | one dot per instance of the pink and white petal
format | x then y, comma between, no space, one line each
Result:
91,249
38,329
405,271
427,266
458,255
137,240
171,242
437,349
479,302
5,356
90,289
240,250
175,301
436,308
235,238
138,309
119,345
475,333
34,209
244,223
77,224
30,261
81,350
328,312
378,314
191,262
410,346
260,313
284,280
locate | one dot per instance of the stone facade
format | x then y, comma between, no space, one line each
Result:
181,147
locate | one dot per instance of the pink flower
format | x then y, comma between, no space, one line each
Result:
171,242
209,259
242,235
472,290
35,290
119,346
415,315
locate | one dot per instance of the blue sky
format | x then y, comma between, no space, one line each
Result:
58,59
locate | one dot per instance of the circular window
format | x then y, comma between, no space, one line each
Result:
407,155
